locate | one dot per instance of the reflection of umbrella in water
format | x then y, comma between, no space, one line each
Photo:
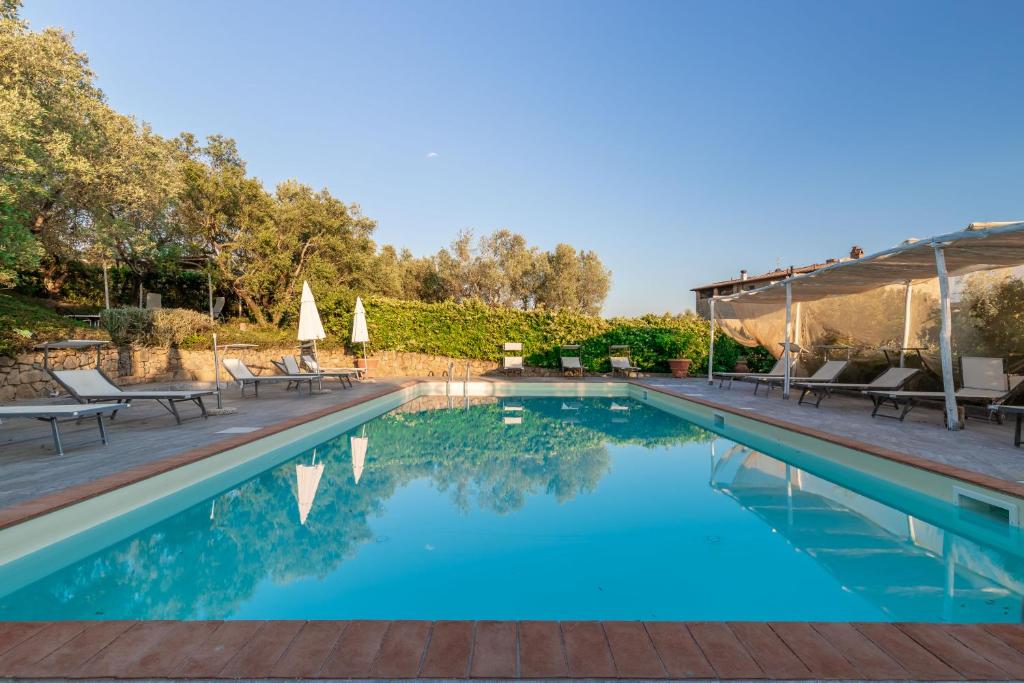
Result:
359,445
307,481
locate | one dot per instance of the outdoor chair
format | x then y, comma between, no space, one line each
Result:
314,366
51,414
829,372
291,367
1018,412
92,386
778,371
571,365
243,375
511,364
621,362
892,379
985,384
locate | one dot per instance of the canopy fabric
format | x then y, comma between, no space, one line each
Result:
359,331
982,246
310,327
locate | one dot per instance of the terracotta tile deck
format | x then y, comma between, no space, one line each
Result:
501,649
529,650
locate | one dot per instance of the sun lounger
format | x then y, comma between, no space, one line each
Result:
314,366
243,375
622,364
510,364
829,372
51,414
291,367
92,386
571,365
892,379
984,384
778,371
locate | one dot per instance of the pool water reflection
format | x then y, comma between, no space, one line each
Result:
534,508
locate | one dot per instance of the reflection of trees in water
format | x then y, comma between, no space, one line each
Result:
202,565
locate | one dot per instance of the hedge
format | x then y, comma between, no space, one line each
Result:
476,330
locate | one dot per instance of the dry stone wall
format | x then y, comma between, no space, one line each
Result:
23,377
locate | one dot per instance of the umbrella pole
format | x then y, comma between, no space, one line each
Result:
216,372
366,366
316,357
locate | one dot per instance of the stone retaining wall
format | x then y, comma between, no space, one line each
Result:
23,377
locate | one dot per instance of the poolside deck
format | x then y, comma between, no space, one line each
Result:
146,441
510,650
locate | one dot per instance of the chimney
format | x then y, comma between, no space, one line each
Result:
829,261
856,252
743,275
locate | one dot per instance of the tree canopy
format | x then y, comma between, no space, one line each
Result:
82,183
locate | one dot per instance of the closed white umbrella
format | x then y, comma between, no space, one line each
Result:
310,327
359,332
307,481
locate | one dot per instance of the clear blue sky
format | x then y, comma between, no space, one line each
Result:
682,141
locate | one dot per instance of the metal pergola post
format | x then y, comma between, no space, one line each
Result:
786,350
711,344
946,339
907,300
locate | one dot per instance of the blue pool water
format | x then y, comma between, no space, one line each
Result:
537,508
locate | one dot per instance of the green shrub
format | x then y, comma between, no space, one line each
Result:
173,326
128,325
25,322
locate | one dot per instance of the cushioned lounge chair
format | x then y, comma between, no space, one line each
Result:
291,367
829,372
1018,412
244,376
985,384
892,379
778,371
92,386
52,414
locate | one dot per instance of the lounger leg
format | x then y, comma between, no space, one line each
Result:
877,403
1016,433
202,408
757,385
103,430
56,436
821,397
803,393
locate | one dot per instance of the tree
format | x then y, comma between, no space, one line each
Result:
573,281
19,250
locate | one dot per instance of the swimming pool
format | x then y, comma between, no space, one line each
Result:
614,507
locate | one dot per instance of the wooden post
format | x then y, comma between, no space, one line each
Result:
946,340
785,346
907,298
711,345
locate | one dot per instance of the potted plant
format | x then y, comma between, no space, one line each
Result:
674,348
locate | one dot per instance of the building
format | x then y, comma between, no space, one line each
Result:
746,282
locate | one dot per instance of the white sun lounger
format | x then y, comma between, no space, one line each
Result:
240,373
985,384
291,367
829,372
510,364
314,366
92,386
51,414
571,365
778,371
892,379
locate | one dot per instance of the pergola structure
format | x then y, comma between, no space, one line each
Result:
979,247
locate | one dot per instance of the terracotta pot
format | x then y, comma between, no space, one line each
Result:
680,367
741,366
368,364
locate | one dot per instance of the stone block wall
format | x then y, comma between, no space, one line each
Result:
23,377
